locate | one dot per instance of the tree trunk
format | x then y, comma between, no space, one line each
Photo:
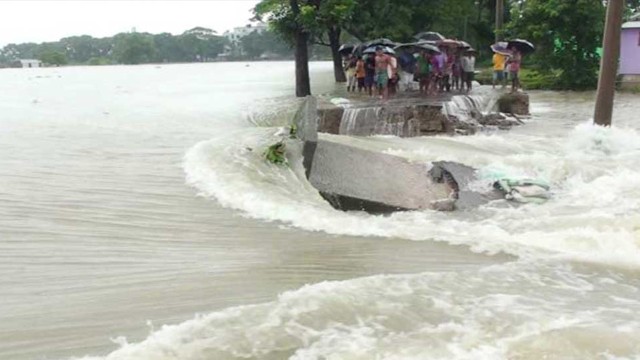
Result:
334,43
609,64
480,6
499,19
303,84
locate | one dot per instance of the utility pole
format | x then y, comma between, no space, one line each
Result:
609,63
499,19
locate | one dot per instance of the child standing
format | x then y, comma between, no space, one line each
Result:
350,70
360,73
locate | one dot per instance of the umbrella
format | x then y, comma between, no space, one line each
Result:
346,49
429,42
418,46
501,48
380,42
523,46
358,49
450,43
385,49
430,36
464,44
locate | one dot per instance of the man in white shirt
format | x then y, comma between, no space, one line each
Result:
469,68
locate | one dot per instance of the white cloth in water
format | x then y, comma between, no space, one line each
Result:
340,101
531,191
406,81
524,190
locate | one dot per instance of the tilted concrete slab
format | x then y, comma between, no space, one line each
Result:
339,170
352,178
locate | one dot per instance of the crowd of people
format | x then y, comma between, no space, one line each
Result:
429,72
384,74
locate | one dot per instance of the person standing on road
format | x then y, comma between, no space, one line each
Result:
469,69
360,73
383,62
499,62
422,72
350,70
514,70
370,73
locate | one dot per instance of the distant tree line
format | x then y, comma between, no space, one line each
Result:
196,45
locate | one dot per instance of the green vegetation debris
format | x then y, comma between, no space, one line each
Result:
293,131
275,153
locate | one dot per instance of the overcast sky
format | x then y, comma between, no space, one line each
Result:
51,20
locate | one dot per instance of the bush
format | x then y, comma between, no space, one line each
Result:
535,80
529,78
99,61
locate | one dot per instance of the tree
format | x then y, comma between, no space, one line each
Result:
79,49
301,41
168,48
322,22
201,44
553,26
400,20
257,44
52,57
134,48
201,32
286,18
328,19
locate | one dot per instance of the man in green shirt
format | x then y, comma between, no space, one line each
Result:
422,71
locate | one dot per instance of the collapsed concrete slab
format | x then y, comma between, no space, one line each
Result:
355,179
351,178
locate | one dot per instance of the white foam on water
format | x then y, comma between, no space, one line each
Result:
547,304
512,311
593,215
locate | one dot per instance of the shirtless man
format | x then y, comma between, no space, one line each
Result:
383,61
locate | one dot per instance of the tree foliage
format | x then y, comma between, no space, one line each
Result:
257,44
134,48
567,35
52,57
322,21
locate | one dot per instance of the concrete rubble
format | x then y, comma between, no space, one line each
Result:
351,178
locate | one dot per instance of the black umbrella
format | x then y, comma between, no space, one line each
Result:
374,49
418,46
380,42
429,35
523,46
358,49
346,49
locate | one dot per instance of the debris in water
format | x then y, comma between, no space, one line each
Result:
276,153
523,190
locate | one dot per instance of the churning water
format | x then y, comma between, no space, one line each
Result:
99,232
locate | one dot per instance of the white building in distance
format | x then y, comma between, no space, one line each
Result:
30,63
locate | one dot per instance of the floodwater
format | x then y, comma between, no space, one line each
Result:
139,221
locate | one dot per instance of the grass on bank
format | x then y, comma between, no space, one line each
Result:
530,79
